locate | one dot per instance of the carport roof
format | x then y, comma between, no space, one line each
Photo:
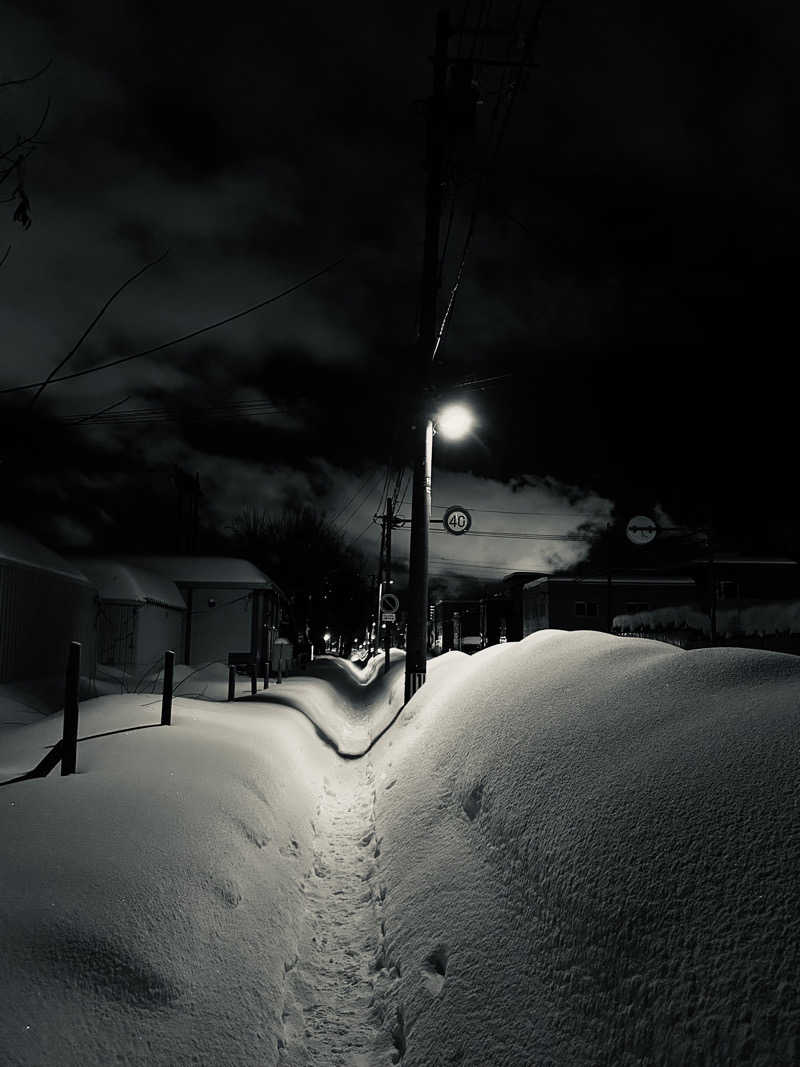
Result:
124,583
20,548
205,571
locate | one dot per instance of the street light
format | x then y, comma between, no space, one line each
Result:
453,421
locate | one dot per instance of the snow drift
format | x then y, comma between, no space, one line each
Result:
574,850
591,856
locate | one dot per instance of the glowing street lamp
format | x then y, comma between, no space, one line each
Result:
453,421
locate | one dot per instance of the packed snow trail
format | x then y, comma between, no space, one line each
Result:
332,1007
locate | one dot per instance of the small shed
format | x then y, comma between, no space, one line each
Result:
140,615
45,603
231,605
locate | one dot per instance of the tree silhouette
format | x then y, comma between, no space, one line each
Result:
323,577
13,155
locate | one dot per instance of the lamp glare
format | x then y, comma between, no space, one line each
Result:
454,421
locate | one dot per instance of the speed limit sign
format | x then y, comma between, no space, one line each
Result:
457,520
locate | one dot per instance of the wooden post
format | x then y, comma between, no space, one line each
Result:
166,698
69,754
231,682
267,650
253,678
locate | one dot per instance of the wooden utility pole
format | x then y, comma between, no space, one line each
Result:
388,520
417,632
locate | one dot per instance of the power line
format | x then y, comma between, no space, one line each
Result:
179,340
52,375
521,536
551,514
484,566
370,477
520,65
159,415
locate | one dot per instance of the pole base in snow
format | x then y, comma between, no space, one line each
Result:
414,681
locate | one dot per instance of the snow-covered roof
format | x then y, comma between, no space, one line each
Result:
765,617
616,580
761,561
124,583
23,550
205,571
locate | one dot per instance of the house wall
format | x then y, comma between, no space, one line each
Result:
453,620
158,629
225,628
116,634
40,614
535,609
583,605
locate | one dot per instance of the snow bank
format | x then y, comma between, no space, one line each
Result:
575,850
350,706
590,855
756,618
149,904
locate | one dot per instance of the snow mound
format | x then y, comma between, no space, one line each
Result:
590,854
153,901
349,706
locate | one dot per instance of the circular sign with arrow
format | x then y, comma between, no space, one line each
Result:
641,530
456,520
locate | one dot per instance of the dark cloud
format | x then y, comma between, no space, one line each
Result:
631,273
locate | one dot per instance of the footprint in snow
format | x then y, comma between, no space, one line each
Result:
434,970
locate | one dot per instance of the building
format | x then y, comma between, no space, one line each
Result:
498,611
746,602
456,626
141,614
231,606
569,603
513,589
45,604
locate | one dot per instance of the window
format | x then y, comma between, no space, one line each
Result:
586,608
728,589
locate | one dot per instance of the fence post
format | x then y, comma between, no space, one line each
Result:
166,699
69,754
253,678
280,664
231,682
266,672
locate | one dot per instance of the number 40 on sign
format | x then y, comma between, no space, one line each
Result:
457,520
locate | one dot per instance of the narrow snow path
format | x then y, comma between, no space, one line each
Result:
332,1014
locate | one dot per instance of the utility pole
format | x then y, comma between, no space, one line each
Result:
422,429
389,519
376,641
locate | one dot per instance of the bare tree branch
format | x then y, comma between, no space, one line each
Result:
29,78
92,324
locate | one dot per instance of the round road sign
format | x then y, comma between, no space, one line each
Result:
641,530
389,602
457,520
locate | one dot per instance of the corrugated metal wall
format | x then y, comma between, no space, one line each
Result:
116,634
40,613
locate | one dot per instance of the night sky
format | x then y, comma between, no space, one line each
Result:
629,289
